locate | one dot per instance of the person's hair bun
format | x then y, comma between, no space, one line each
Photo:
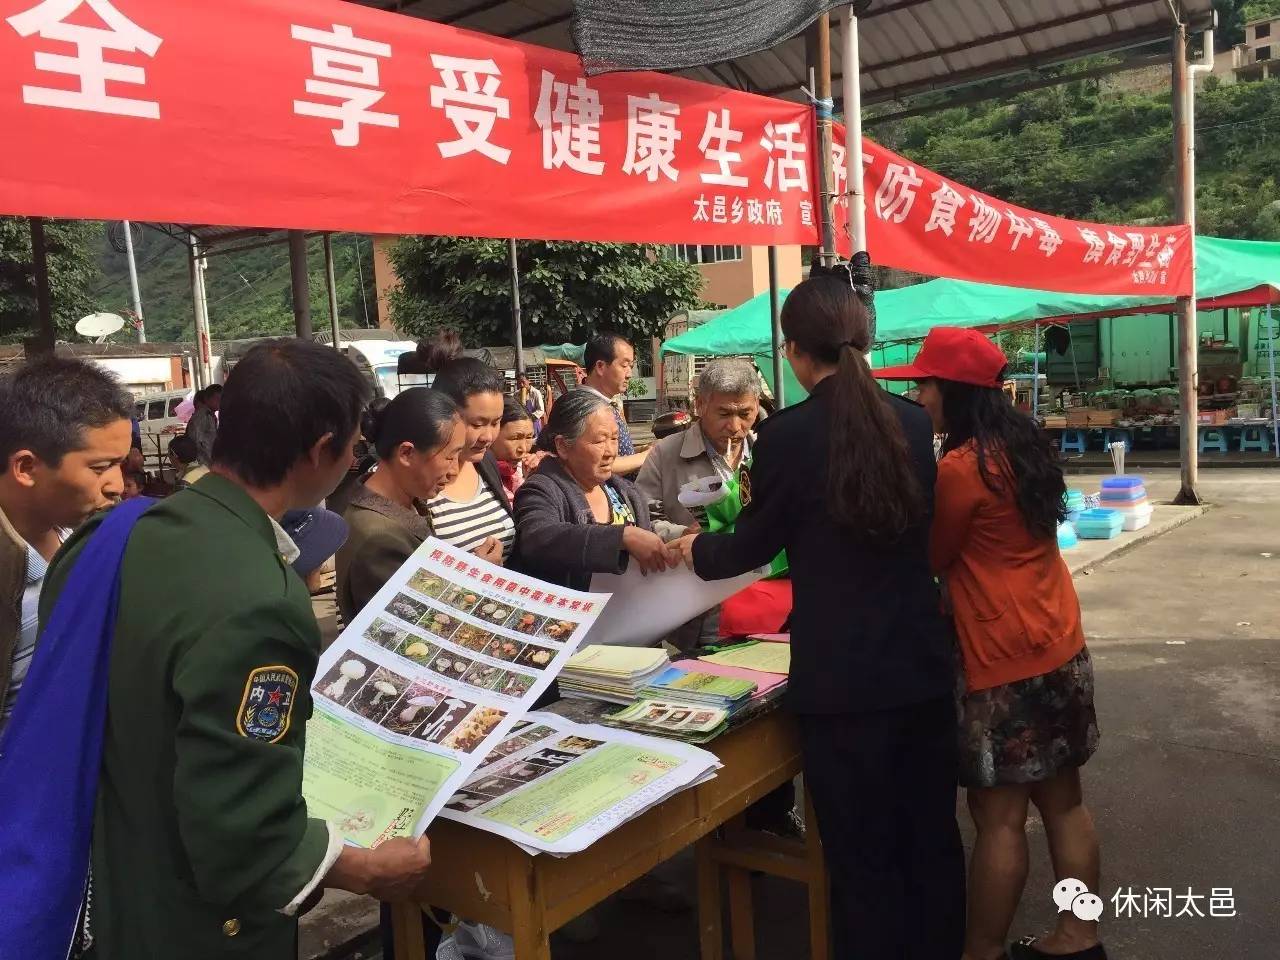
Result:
444,346
372,419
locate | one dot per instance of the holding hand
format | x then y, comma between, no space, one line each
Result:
391,871
648,550
397,866
533,461
683,549
490,549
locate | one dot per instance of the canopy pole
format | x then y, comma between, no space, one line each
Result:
332,287
133,281
853,125
1035,376
1271,364
202,370
517,335
821,81
301,284
775,326
1184,204
45,336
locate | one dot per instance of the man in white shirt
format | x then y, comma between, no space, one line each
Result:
65,430
609,361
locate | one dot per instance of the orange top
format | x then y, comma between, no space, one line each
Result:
1016,611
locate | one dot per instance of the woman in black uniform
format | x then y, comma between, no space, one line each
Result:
844,483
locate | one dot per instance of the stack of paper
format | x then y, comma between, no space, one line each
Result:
769,686
753,655
697,686
681,720
612,674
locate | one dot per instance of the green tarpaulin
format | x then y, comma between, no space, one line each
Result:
1224,267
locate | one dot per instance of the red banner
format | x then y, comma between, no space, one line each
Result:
318,114
918,220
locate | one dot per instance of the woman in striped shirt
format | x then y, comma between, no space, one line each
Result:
473,512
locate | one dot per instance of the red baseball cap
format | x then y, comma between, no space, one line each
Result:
952,353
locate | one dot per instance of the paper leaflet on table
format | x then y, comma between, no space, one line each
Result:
769,657
643,609
427,678
556,786
766,683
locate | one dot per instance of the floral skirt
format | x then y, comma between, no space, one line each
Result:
1030,730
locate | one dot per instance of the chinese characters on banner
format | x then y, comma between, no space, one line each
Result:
326,115
920,221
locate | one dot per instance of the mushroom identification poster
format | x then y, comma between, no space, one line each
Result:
428,678
557,786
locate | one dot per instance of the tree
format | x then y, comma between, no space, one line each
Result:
567,290
73,275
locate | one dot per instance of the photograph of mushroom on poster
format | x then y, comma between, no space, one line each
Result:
439,665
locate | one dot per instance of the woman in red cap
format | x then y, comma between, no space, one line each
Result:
1026,705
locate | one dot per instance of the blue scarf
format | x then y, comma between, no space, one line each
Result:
51,752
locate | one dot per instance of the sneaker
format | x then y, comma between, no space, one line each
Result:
476,941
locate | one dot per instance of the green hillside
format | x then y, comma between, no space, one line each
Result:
249,293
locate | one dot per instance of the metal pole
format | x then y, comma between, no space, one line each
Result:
517,335
1035,376
335,330
775,314
301,284
1271,364
822,91
133,281
193,262
850,63
204,362
45,336
1184,203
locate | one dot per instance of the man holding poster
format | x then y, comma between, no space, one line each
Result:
202,842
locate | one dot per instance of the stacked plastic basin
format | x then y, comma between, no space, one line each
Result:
1099,523
1075,505
1128,496
1067,537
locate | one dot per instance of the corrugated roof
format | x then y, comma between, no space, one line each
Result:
907,46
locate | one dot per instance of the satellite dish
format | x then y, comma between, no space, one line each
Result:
100,325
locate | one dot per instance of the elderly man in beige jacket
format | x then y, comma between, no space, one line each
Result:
727,403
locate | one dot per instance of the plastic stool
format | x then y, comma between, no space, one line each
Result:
1074,441
1255,438
1213,438
1115,435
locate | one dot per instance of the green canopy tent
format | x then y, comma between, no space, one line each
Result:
1229,273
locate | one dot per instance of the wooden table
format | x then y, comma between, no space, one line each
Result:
487,879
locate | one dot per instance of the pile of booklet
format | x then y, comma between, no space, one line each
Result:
700,688
612,674
691,722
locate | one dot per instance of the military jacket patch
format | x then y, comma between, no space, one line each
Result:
267,704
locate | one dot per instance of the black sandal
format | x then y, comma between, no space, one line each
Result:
1024,949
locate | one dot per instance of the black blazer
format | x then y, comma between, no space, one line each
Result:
867,632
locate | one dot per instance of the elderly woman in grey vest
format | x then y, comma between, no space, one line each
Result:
573,516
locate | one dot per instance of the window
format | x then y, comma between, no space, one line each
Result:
1264,53
706,253
140,411
174,403
157,410
1260,31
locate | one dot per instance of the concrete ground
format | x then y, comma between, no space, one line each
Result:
1185,788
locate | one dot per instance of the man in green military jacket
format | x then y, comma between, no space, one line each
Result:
202,844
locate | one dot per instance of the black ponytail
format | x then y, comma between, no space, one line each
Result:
871,482
418,415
